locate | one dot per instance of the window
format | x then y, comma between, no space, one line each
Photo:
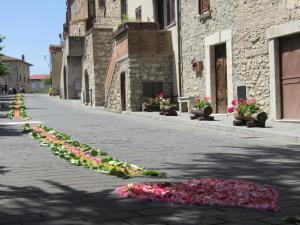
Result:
170,12
151,89
138,14
124,10
204,6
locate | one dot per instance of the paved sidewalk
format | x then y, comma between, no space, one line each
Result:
285,130
288,131
37,188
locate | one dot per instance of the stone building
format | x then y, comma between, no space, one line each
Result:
19,73
74,31
232,49
103,16
165,13
56,64
140,66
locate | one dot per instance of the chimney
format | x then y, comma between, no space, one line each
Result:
23,57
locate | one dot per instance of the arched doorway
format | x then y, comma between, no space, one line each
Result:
123,91
87,88
65,83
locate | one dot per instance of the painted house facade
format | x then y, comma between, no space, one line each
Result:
38,84
244,49
19,73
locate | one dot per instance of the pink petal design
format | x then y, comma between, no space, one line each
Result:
211,191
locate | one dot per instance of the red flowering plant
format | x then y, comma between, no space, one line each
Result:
202,102
244,107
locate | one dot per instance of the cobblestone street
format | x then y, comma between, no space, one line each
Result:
36,187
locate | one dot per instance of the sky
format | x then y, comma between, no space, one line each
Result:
29,27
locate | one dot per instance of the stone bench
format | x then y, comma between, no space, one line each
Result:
186,104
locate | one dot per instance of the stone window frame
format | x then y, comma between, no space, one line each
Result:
124,9
203,14
202,9
170,13
273,34
220,37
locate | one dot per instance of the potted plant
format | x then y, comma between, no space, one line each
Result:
247,112
203,109
167,108
50,91
152,104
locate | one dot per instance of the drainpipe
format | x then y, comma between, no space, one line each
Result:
179,47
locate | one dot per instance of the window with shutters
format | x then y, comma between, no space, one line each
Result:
204,6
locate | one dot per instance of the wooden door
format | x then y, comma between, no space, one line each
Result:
123,92
221,79
290,77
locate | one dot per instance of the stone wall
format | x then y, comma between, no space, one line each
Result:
137,71
194,31
113,101
79,13
147,69
251,57
71,70
108,14
98,48
56,63
248,22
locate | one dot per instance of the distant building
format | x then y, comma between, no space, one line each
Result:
38,84
19,73
56,64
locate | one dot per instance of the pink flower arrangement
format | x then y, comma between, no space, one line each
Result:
211,191
243,107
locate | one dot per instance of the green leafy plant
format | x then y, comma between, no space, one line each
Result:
50,91
202,102
165,103
48,80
